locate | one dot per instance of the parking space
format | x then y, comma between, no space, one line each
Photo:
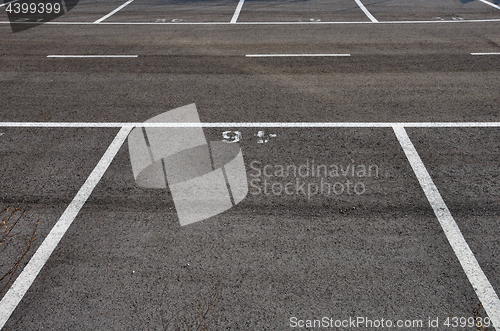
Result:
428,10
176,11
301,11
126,262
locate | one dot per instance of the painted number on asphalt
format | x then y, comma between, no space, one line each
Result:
235,136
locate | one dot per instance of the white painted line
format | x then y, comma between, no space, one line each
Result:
53,23
113,12
492,53
5,4
491,4
367,13
30,272
237,11
475,274
92,56
254,124
294,55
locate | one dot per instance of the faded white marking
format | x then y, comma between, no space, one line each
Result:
262,138
231,136
30,272
113,12
475,274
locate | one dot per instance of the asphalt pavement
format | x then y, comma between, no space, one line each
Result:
370,249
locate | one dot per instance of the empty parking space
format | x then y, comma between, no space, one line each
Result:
176,11
301,11
281,253
427,10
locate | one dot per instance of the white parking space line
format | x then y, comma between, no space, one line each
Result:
475,274
237,11
367,13
295,55
113,12
254,124
5,4
30,272
492,53
491,4
92,56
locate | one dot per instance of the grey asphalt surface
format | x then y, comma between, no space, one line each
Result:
126,263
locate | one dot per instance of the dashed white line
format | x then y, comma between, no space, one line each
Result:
295,55
490,4
92,56
113,12
30,272
254,124
367,13
475,274
491,53
237,11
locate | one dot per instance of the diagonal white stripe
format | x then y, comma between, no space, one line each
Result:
237,11
491,4
113,12
367,13
475,274
23,282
